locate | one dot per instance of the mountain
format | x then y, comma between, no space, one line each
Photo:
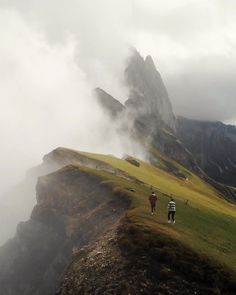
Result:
148,95
213,145
150,110
111,105
73,208
205,148
17,203
91,232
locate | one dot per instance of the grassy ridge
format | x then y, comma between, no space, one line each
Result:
198,192
206,224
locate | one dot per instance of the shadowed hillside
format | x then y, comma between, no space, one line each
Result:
100,202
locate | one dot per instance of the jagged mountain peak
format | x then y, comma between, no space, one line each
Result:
195,144
135,55
150,63
148,94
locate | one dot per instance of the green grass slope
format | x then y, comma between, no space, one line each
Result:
207,224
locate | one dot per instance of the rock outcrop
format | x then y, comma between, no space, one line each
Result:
20,199
208,149
73,208
148,95
111,105
150,110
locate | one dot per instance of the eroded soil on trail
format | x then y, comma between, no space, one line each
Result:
120,265
102,269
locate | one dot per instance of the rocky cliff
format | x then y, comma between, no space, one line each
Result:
84,237
148,95
111,105
20,199
150,110
73,208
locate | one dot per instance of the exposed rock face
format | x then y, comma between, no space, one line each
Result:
213,145
148,95
165,141
150,110
207,149
73,208
132,161
20,200
111,105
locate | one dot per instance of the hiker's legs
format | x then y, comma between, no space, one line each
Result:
153,207
173,215
169,213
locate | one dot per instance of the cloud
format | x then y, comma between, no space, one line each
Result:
193,45
46,102
183,37
205,89
100,26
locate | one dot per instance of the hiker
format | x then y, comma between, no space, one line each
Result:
153,200
171,211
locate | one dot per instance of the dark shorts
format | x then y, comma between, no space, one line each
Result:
153,206
171,215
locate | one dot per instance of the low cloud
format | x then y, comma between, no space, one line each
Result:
205,89
46,102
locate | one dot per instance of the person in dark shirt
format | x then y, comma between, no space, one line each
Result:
153,201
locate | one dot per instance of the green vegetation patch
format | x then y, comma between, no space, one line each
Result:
205,223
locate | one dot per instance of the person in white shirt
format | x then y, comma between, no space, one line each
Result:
171,211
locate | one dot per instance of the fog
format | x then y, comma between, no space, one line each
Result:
47,101
54,53
192,42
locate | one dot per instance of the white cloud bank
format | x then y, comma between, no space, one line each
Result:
46,102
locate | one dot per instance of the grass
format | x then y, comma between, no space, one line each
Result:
206,225
197,192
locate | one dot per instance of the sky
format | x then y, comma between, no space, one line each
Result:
192,43
53,53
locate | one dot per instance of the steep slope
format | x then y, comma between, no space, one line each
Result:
150,110
73,208
17,202
207,149
203,213
136,260
146,255
213,144
148,95
141,254
111,105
